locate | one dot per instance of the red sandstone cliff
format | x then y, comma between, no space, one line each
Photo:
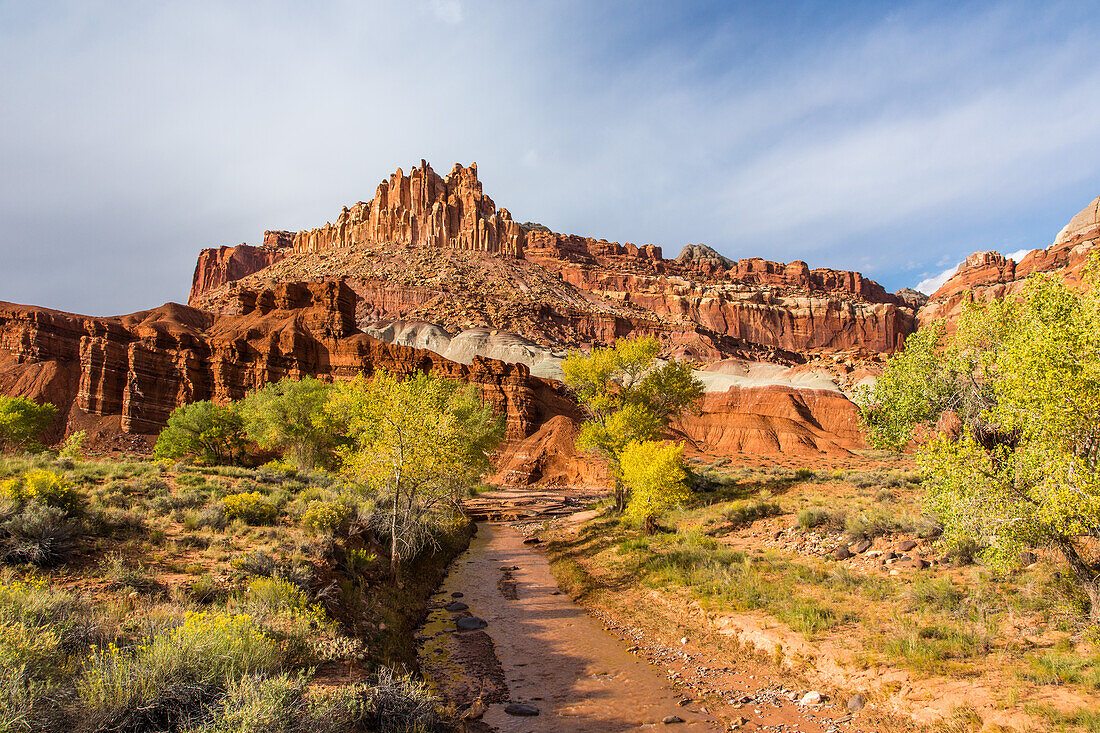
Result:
130,372
437,250
218,266
424,210
990,275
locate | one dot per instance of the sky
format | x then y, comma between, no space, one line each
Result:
890,140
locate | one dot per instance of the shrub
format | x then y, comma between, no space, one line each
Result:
204,589
740,513
201,430
399,703
38,534
356,561
39,627
73,447
124,577
257,563
817,517
326,516
250,507
269,596
22,421
872,524
175,672
51,489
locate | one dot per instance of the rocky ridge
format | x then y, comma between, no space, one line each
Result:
437,250
991,275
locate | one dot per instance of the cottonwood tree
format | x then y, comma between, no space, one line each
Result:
288,416
630,396
22,421
1020,469
419,443
654,473
203,430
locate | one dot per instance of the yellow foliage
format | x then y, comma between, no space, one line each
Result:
250,507
655,474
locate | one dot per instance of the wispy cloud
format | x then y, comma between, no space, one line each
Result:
889,141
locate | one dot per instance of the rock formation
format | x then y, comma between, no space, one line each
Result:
430,268
136,369
437,250
990,275
423,210
218,266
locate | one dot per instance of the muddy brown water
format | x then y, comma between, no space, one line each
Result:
539,648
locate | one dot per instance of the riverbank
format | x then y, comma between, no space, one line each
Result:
537,650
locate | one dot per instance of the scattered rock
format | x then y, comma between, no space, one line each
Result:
842,553
672,719
907,545
454,606
1028,558
532,541
683,640
737,723
471,623
862,546
856,703
521,709
457,594
813,697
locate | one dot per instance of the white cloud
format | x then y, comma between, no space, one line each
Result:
934,283
146,131
1018,255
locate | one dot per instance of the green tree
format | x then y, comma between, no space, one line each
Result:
22,422
654,473
419,443
630,396
1022,377
288,416
204,431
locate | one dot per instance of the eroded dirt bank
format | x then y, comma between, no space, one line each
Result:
538,648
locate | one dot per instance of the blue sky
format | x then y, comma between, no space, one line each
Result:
894,141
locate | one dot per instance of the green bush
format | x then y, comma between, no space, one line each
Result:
73,447
51,489
250,507
204,589
203,431
22,422
741,513
815,517
267,596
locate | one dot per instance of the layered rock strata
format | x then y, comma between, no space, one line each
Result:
436,249
141,366
990,275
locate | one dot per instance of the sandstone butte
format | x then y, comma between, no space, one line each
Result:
430,262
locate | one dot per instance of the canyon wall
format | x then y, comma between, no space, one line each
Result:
138,368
